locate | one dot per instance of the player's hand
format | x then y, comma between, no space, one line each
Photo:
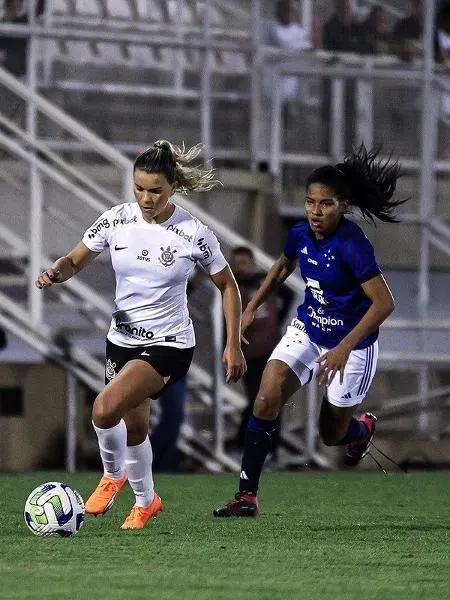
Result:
331,362
234,362
48,278
248,317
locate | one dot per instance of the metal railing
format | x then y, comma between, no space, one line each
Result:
433,231
28,321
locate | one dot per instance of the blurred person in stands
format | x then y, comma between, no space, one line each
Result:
442,53
164,437
407,33
374,33
341,33
283,31
262,335
155,245
15,49
442,43
334,336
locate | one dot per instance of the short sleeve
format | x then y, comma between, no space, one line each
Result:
207,251
96,238
291,245
359,255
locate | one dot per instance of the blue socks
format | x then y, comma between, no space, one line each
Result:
258,440
356,432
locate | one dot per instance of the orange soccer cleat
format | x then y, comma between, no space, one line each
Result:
139,515
102,498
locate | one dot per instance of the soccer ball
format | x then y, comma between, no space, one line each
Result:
54,508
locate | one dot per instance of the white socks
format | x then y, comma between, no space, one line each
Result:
138,463
112,443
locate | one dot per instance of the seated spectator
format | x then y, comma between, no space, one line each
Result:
373,32
407,33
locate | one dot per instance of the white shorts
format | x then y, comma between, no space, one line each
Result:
300,353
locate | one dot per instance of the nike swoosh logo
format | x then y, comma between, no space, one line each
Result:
145,354
116,247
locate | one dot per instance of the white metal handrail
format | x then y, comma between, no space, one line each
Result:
58,116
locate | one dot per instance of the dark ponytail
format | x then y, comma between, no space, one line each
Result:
366,181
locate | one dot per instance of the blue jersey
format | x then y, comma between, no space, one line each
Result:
333,269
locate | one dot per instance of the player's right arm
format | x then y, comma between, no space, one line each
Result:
67,266
277,274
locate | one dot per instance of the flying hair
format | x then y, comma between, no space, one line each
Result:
175,163
366,181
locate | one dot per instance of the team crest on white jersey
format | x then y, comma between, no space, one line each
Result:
110,369
167,258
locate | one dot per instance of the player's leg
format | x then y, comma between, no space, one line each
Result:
278,384
337,424
138,463
129,388
291,365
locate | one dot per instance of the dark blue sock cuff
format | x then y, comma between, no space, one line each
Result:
261,425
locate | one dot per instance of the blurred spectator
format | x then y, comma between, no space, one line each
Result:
442,50
263,334
373,32
341,33
283,31
443,35
407,33
15,48
164,437
3,339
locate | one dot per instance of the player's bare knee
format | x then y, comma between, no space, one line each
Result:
104,411
267,405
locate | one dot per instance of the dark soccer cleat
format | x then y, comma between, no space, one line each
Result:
358,450
243,505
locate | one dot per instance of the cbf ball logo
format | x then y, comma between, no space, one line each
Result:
167,258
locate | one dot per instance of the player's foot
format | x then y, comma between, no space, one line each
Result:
358,450
139,515
102,498
243,505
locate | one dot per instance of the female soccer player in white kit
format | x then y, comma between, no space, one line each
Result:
155,246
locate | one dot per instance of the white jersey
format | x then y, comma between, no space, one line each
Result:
152,264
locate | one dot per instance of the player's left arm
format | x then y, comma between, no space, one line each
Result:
377,290
233,358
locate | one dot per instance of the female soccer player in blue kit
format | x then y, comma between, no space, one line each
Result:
335,333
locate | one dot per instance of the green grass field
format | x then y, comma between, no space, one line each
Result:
320,536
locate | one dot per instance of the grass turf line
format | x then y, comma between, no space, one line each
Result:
342,536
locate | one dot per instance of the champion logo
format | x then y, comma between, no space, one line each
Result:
243,475
347,396
304,250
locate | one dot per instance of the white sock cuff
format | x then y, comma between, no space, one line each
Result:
120,425
132,451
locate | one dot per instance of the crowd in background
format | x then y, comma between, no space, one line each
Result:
379,32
